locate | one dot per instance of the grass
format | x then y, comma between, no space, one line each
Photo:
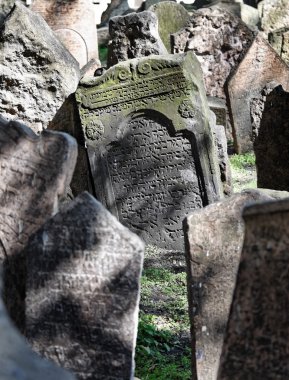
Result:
243,171
102,51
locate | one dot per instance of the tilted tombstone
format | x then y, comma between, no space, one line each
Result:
83,274
261,67
257,334
132,36
35,172
149,143
215,236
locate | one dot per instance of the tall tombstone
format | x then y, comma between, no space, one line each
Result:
151,152
261,68
214,242
257,334
35,172
83,274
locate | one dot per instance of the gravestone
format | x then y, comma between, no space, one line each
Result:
256,339
274,14
35,172
83,273
279,39
18,361
260,68
172,17
271,144
151,152
132,36
215,236
37,72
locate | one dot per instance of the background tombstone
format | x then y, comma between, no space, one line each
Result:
274,14
215,236
35,172
261,67
279,39
83,273
149,144
132,36
256,340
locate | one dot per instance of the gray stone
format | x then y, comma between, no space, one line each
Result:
151,151
215,236
172,17
260,69
83,273
5,8
274,14
37,72
279,39
115,8
256,339
35,172
135,35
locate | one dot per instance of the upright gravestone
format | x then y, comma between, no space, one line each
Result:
149,144
83,273
256,341
215,237
35,172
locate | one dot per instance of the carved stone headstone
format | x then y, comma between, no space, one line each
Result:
83,273
132,36
172,17
256,340
37,72
279,39
149,143
261,67
215,236
35,172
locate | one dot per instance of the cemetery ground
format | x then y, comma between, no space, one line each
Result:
163,345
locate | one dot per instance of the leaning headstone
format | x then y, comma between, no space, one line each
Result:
279,39
35,172
215,237
132,36
274,14
261,68
172,17
83,273
257,334
37,72
151,152
271,145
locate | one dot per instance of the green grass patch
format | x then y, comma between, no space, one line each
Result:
102,51
243,161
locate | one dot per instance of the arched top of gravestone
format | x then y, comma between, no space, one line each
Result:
172,17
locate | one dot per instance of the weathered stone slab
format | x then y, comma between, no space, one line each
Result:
215,236
172,17
256,340
261,67
279,39
146,123
134,35
35,172
18,361
274,14
37,72
83,272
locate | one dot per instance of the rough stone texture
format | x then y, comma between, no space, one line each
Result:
36,72
256,340
83,273
35,172
135,35
271,145
18,361
5,8
151,152
172,17
261,67
115,8
220,109
279,39
215,236
219,40
274,14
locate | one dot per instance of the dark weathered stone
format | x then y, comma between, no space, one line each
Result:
261,67
172,17
135,35
257,336
83,273
37,72
279,39
215,236
271,144
35,172
149,143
